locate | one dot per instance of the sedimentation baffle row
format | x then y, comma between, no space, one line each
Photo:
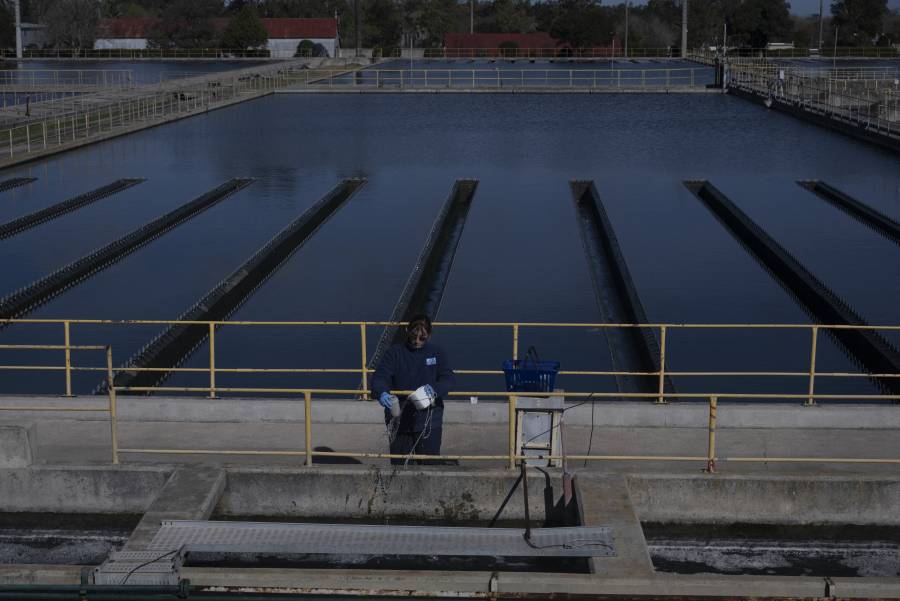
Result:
425,287
631,349
15,182
869,348
175,344
862,212
22,301
26,222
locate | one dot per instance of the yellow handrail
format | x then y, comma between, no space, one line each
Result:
660,395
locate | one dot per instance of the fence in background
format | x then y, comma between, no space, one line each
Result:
505,78
870,100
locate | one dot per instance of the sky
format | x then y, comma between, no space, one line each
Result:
808,7
798,7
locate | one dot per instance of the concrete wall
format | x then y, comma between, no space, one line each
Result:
461,495
882,416
120,44
17,444
80,490
794,500
858,432
435,493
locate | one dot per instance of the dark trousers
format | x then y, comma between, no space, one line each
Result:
405,443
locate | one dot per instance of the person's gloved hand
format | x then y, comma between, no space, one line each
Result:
430,391
386,399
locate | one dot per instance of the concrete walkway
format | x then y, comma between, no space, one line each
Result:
770,433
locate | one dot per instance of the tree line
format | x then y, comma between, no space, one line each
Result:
393,23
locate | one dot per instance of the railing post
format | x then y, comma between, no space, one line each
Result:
512,405
515,341
212,360
363,353
711,447
113,418
662,365
810,400
512,432
67,337
307,422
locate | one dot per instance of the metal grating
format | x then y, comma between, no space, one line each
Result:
140,567
252,537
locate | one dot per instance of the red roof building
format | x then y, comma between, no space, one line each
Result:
284,34
125,28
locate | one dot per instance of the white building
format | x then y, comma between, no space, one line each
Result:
284,34
34,35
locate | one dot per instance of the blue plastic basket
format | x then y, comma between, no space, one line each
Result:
525,375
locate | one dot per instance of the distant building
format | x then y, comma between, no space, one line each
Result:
127,33
130,33
34,35
466,44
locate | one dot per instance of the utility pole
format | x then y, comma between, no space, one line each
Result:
471,16
18,30
821,24
834,55
356,16
626,28
724,56
684,7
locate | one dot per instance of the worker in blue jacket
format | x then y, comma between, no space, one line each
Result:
416,365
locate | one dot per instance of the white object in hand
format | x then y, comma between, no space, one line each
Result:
395,406
422,397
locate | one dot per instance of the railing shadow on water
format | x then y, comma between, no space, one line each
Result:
804,372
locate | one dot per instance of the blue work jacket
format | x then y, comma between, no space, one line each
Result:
404,368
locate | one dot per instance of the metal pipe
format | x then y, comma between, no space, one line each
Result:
711,445
812,368
363,353
113,416
512,432
307,419
18,16
212,361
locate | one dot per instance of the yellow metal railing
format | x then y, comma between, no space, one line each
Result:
660,396
68,348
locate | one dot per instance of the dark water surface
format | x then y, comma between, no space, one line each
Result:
520,258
